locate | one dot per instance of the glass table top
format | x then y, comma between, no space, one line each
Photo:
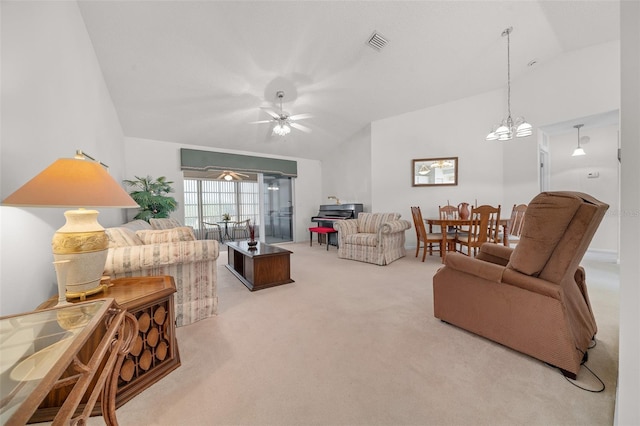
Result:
31,345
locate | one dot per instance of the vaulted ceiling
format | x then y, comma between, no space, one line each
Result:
198,72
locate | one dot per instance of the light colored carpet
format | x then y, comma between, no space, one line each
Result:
351,343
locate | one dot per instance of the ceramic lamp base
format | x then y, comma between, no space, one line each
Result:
83,242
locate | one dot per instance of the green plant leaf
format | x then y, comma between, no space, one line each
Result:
151,196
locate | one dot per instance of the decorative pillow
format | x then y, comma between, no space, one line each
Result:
137,225
122,237
168,223
183,233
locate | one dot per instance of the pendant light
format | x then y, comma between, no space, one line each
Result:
510,127
578,151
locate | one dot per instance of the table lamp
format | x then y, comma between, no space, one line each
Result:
80,183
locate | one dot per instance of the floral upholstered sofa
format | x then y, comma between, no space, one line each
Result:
136,249
372,237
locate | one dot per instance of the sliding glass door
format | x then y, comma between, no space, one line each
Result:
208,201
277,208
264,199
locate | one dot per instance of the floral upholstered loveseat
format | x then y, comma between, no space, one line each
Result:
135,249
372,237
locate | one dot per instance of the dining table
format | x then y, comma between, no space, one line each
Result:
445,223
225,236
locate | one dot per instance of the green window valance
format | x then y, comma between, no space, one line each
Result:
196,160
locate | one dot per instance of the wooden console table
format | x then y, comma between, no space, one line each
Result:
265,266
154,352
45,351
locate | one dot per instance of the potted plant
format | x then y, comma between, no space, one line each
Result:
151,195
226,217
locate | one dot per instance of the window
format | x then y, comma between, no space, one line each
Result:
206,200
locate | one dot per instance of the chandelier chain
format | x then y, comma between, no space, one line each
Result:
509,75
509,127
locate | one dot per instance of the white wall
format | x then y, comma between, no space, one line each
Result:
436,132
54,101
579,84
570,174
628,409
347,171
157,158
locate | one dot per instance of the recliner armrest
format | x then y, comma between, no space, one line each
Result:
495,253
526,282
500,274
395,226
347,226
473,266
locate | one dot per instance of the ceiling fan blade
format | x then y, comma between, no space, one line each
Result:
240,174
300,127
300,116
271,113
261,121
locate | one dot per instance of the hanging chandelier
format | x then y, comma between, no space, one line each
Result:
510,127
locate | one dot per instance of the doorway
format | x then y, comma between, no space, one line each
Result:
596,172
277,210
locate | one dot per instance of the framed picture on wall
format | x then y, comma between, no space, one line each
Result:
434,171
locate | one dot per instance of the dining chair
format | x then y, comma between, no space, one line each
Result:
240,229
425,239
483,228
212,231
451,212
516,222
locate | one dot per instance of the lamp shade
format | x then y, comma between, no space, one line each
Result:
71,183
81,244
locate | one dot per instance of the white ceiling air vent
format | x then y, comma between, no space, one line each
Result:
377,41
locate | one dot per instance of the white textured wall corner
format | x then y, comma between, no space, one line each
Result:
54,101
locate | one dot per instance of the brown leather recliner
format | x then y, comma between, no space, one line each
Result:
531,298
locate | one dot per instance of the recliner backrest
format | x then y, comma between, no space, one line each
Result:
557,230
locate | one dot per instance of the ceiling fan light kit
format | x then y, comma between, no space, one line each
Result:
509,126
229,176
281,129
283,121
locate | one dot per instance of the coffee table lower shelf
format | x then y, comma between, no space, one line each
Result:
262,267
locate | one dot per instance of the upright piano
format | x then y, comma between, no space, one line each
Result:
329,213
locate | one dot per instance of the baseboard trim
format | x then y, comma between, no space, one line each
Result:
610,256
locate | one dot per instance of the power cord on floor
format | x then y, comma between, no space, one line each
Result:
585,357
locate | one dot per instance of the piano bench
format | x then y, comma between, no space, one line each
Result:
320,230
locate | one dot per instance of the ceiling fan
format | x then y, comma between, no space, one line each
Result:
283,121
229,175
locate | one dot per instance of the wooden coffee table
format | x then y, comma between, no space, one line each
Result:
265,266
